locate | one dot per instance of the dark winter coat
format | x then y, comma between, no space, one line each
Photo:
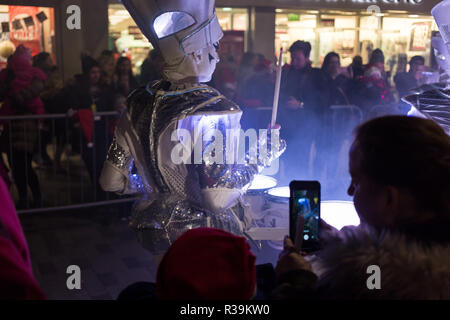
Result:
414,264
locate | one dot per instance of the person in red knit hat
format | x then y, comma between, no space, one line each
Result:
207,264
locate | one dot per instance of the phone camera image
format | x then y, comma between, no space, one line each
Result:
307,204
305,201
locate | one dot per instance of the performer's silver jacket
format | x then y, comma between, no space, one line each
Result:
431,101
175,196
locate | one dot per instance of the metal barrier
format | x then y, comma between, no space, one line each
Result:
32,146
386,110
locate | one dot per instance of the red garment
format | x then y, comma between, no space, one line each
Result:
207,264
16,277
86,118
24,73
376,79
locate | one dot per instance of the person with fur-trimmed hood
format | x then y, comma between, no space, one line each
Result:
400,170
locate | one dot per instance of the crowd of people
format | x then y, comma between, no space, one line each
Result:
400,169
252,82
33,86
309,97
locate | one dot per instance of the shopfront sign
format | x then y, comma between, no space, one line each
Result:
412,6
28,34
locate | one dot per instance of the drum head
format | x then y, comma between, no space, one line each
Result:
339,214
280,194
261,182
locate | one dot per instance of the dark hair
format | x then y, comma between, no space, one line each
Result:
303,46
328,58
410,153
107,53
119,62
247,58
40,58
155,54
87,63
377,56
417,59
357,61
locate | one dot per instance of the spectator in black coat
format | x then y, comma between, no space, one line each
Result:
302,107
405,81
88,92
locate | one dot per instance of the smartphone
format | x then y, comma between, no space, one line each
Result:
305,201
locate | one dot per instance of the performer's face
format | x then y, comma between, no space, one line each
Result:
298,59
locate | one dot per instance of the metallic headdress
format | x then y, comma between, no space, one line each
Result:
185,32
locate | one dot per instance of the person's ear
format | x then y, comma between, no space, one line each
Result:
391,204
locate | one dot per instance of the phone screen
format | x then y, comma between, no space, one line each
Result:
305,201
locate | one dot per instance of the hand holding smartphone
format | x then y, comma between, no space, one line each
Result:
305,202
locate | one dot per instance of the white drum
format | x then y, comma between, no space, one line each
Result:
277,213
255,195
339,214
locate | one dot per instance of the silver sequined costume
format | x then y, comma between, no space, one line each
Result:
432,101
166,118
177,197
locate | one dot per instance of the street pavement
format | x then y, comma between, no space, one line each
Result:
99,241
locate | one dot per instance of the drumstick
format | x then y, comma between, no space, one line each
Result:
277,89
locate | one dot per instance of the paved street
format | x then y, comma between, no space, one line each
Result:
99,241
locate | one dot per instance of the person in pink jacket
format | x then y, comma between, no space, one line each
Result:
20,87
16,277
22,84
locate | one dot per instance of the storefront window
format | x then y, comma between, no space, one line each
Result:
399,35
126,38
369,36
33,27
405,37
235,19
325,32
234,23
338,34
292,26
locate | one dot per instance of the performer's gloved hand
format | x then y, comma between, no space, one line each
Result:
270,147
276,126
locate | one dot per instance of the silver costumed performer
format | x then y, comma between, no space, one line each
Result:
166,117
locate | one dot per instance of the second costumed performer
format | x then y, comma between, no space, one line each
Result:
432,101
167,117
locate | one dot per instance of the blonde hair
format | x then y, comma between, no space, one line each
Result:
105,58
